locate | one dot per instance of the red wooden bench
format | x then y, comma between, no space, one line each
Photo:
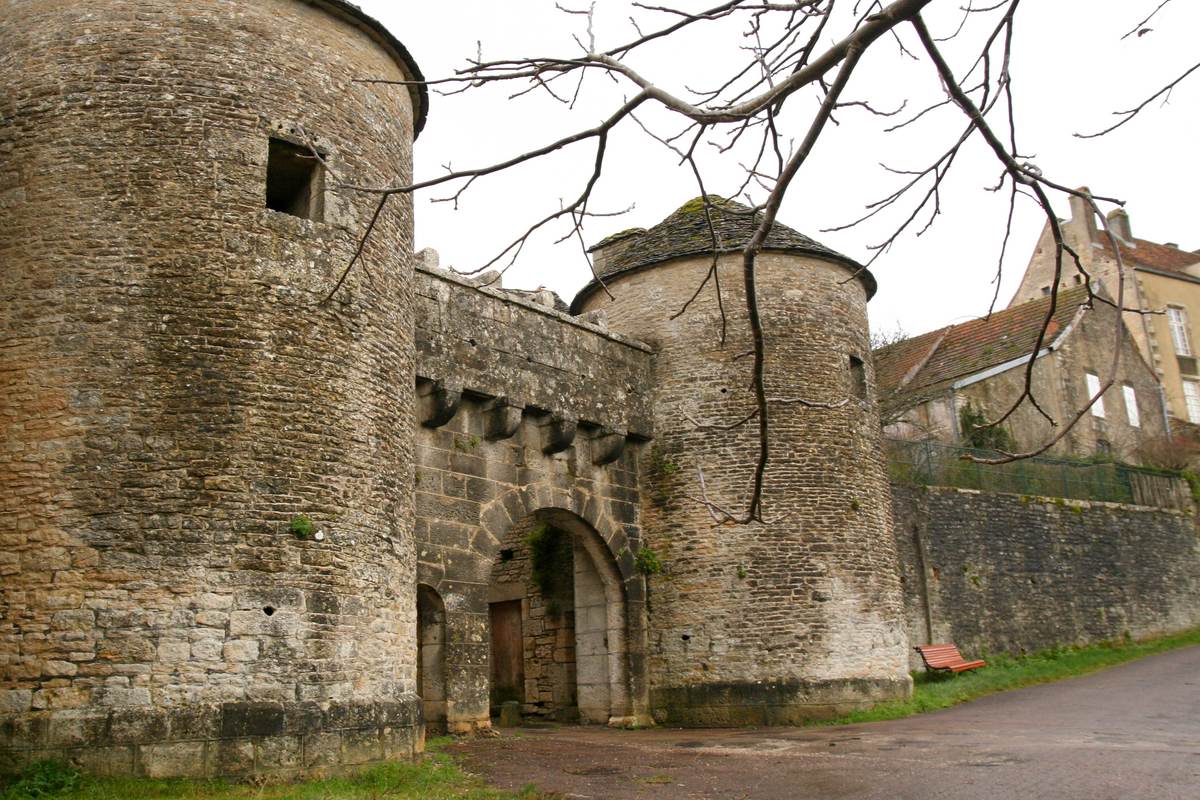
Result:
946,656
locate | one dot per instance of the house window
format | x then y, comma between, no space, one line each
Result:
1177,319
858,378
1191,396
1131,408
295,181
1093,388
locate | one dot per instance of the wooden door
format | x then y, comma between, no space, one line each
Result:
508,657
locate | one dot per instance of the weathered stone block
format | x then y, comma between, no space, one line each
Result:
232,757
322,750
278,752
138,726
361,747
16,701
251,719
172,760
105,762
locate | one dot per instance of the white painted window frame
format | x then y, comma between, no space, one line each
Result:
1177,320
1191,398
1093,389
1131,407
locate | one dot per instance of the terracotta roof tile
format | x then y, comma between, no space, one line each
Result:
972,347
894,362
1152,254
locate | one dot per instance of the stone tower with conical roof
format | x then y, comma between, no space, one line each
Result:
178,406
801,616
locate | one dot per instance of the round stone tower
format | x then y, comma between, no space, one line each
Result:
206,557
800,617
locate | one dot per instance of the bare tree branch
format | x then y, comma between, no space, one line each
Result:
1130,113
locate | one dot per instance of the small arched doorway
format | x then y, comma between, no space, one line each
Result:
431,657
557,622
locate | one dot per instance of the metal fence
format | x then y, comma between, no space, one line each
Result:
935,464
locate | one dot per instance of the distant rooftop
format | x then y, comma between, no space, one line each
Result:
1144,253
915,369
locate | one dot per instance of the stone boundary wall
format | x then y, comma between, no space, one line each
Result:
1013,573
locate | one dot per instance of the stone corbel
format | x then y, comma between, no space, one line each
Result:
437,403
558,434
607,446
501,418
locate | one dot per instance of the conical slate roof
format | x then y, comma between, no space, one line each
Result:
686,233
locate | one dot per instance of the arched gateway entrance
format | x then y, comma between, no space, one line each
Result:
545,613
557,621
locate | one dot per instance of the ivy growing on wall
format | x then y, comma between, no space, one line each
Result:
975,432
551,564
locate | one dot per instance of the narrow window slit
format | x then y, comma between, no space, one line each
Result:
858,378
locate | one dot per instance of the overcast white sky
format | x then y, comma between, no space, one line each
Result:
1070,70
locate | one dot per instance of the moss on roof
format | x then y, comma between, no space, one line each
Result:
686,233
616,237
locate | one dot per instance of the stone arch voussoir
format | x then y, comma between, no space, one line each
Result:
517,504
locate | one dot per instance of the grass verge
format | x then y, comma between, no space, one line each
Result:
433,777
934,690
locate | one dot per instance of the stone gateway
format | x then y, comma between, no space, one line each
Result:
244,531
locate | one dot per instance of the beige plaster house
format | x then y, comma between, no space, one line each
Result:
1162,289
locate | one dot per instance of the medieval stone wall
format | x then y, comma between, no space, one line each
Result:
802,616
1011,573
172,395
496,345
525,413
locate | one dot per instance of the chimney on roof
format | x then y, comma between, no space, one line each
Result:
1083,218
1118,223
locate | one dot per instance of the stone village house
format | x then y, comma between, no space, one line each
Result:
1162,281
927,381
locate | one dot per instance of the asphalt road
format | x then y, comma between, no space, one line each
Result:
1132,731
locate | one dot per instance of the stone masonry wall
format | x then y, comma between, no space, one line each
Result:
1010,573
172,395
524,412
496,345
